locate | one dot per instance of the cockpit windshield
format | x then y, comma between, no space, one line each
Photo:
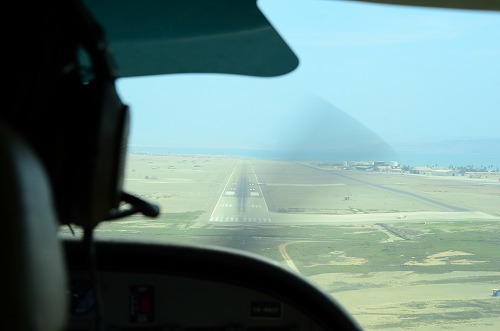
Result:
373,168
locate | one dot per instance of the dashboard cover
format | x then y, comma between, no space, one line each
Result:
220,287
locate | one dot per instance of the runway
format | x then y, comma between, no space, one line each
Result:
242,200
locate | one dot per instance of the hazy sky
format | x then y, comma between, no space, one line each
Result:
407,74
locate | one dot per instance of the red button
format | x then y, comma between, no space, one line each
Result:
145,304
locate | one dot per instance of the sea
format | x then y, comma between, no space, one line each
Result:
478,160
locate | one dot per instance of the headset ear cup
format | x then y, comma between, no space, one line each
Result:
105,176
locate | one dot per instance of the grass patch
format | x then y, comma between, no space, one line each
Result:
461,280
318,251
337,287
354,248
180,217
443,313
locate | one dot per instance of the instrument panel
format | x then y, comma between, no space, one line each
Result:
133,301
162,287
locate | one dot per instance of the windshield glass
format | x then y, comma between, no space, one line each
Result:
373,169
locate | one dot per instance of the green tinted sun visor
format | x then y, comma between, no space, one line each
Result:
154,37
